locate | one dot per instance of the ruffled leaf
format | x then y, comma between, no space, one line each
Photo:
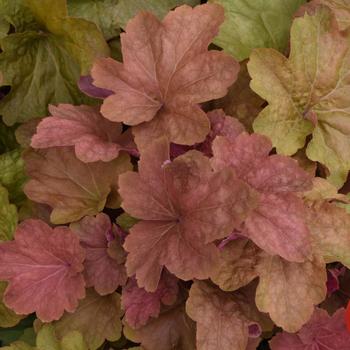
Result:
41,265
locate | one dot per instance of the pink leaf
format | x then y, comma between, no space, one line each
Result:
320,333
140,305
166,72
44,269
94,137
184,206
278,224
105,257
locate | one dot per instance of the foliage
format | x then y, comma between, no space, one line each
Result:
174,175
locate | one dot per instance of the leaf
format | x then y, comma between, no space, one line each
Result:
288,291
83,127
241,101
166,73
278,223
42,264
321,332
172,330
249,25
330,227
127,9
48,59
7,138
8,318
307,98
140,305
12,174
60,180
97,318
102,12
183,206
18,345
8,217
47,340
236,266
126,222
101,270
223,319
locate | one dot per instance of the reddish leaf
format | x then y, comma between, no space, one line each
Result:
277,225
166,72
320,333
140,305
83,127
183,206
72,188
103,271
44,269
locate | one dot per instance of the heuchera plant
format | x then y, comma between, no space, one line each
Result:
175,175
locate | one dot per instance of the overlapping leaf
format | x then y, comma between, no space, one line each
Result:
104,263
140,305
42,264
8,216
321,332
94,137
278,224
173,329
183,206
72,188
307,93
97,318
166,73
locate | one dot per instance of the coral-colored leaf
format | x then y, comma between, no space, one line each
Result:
288,291
223,319
173,329
94,137
102,271
278,224
44,269
184,207
321,332
140,305
72,188
236,266
166,73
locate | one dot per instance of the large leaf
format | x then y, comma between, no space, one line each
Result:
308,93
252,24
43,66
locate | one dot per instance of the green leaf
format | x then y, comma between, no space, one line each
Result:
43,66
8,318
308,93
18,346
102,12
126,222
12,175
8,219
252,24
129,8
47,340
